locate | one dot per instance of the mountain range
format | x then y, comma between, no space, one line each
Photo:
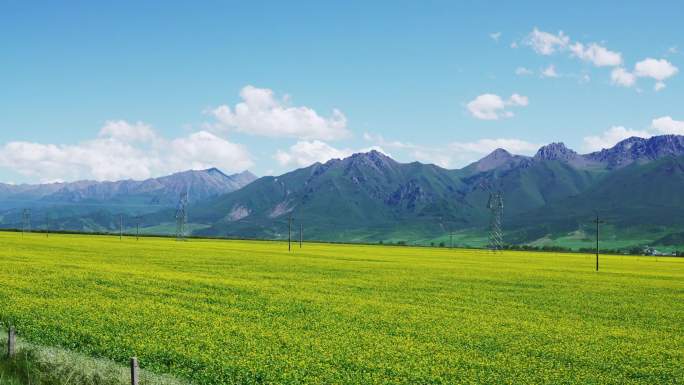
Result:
549,198
92,201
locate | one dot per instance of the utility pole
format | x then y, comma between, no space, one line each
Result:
597,222
301,234
47,225
120,226
451,239
289,233
137,229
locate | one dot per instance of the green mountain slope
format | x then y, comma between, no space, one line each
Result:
363,197
370,197
645,197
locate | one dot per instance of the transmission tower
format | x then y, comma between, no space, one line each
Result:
597,221
289,233
181,216
495,206
26,221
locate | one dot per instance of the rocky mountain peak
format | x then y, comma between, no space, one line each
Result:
499,153
215,171
555,151
372,158
635,149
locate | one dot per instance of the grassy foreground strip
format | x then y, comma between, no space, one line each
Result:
39,365
239,312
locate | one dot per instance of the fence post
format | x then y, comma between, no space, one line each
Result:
134,371
11,342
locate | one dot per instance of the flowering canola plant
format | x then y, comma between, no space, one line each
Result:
248,312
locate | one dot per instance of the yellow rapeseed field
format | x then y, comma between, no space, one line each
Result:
240,312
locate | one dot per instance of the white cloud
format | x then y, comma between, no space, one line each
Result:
202,150
304,153
261,113
518,100
121,151
656,69
522,71
454,154
549,72
486,106
485,146
381,141
610,137
495,36
128,132
493,107
100,159
545,43
615,134
667,125
459,154
622,77
598,55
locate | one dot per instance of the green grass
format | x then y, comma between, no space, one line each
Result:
7,377
611,238
41,365
237,312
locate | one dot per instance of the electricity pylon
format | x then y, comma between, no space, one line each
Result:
495,206
597,221
26,221
289,233
181,216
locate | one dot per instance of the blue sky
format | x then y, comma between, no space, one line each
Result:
140,89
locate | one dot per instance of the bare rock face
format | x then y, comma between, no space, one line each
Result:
280,209
555,151
639,150
238,212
